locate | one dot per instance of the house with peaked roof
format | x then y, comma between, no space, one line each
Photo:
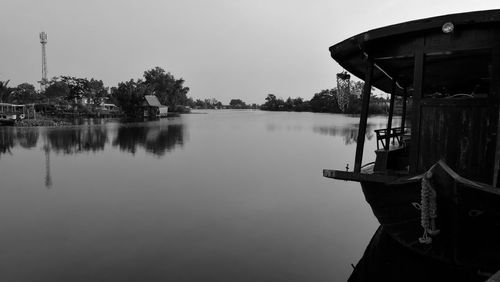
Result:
153,108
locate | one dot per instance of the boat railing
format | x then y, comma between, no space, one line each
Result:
385,137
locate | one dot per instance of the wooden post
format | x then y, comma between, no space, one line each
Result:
495,98
418,80
364,115
403,117
391,112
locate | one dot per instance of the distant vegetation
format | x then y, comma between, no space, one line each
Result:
67,94
82,96
326,101
213,103
170,91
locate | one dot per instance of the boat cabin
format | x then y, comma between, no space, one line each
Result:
449,68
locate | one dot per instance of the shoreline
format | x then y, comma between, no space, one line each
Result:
44,121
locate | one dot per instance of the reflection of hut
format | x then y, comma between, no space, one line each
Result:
153,107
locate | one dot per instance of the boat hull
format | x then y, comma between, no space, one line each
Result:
468,218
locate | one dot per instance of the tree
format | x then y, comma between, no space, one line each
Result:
130,96
325,102
211,103
299,105
190,102
272,103
24,93
170,91
237,104
200,104
77,87
96,91
4,91
57,89
289,106
179,93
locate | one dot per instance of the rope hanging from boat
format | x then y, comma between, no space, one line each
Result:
343,90
428,209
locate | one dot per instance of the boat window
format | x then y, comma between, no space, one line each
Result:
459,74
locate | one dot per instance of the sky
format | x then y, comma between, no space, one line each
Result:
223,49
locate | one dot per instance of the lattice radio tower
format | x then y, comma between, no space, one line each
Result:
43,41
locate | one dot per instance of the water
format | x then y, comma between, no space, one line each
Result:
222,196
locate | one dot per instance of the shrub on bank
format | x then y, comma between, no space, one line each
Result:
41,121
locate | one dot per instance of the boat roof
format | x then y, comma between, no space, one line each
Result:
352,52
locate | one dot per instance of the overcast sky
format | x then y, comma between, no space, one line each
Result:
223,48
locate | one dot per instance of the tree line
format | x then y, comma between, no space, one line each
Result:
327,101
212,103
86,95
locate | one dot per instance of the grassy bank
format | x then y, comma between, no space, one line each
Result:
41,121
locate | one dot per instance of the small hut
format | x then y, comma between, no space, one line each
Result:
153,107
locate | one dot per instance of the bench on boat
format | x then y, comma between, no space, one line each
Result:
385,138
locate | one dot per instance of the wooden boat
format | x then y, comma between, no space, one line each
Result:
433,187
7,119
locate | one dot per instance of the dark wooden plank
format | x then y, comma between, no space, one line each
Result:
364,115
358,177
391,112
460,135
402,46
495,96
403,114
455,102
461,19
418,77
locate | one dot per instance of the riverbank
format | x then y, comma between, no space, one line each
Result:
41,121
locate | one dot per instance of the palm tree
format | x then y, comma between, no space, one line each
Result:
4,90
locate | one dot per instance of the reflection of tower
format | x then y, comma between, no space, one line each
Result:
44,81
48,177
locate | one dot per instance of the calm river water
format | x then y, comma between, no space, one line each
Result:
221,196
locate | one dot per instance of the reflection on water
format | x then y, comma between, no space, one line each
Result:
349,133
7,141
11,137
223,196
77,139
48,175
156,140
27,138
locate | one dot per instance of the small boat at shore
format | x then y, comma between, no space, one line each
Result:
434,185
7,119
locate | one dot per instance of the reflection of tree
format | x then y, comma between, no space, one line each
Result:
350,133
77,139
127,138
48,175
11,137
27,137
7,140
155,139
